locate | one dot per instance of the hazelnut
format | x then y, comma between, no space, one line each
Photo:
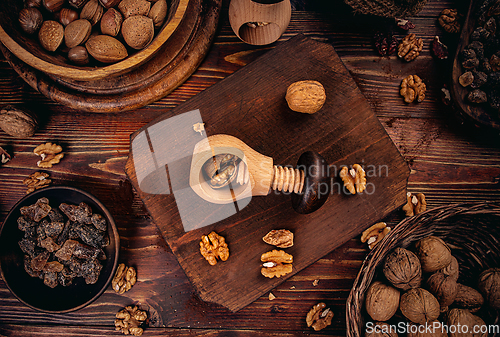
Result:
51,35
79,55
109,3
30,19
111,22
77,32
138,31
443,287
305,96
433,253
468,298
402,269
489,285
382,301
106,49
53,5
67,16
134,7
92,11
419,306
158,13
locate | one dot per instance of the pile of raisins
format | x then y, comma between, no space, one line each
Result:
60,247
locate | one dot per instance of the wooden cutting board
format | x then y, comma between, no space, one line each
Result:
250,105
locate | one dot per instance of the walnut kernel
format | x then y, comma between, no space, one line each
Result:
125,277
354,179
412,88
410,47
281,238
50,154
129,320
213,247
276,263
36,181
415,204
375,234
318,317
448,19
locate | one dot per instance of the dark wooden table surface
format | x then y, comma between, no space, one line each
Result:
450,161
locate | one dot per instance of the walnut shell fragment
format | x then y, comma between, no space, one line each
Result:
415,204
375,234
4,156
130,320
36,181
213,247
306,96
354,179
281,238
125,277
276,263
412,88
50,153
318,317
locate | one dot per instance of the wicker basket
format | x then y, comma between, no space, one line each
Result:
387,8
471,230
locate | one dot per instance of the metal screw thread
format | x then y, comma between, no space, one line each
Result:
288,179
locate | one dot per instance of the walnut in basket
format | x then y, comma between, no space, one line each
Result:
382,301
419,306
402,268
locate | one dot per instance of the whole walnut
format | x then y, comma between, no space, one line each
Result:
433,253
17,121
468,298
443,287
419,306
489,285
382,301
453,269
402,269
466,320
380,329
432,329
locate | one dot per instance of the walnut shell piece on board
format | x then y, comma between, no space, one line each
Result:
17,122
402,268
381,301
306,96
433,253
419,306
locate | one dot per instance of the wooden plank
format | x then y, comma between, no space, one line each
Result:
251,103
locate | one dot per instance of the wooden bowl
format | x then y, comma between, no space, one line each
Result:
471,230
32,291
28,50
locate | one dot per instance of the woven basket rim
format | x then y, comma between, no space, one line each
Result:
395,238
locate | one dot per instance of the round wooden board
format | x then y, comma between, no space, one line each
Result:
168,69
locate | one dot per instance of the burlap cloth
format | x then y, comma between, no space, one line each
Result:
387,8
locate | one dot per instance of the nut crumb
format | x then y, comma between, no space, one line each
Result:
199,127
4,156
271,297
315,283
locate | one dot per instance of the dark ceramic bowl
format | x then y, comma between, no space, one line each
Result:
31,290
